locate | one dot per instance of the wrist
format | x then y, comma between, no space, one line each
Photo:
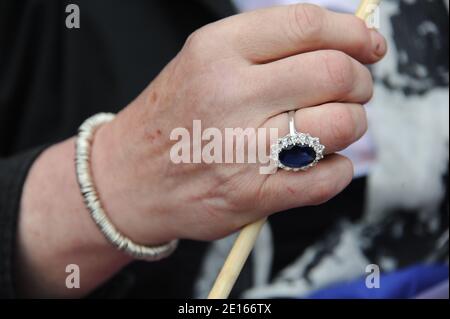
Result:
123,189
55,230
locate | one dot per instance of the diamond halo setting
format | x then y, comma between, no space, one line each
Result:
297,151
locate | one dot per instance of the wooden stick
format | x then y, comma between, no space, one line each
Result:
246,240
366,8
236,259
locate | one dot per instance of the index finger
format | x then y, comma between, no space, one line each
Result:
274,33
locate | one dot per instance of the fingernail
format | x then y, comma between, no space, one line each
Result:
378,43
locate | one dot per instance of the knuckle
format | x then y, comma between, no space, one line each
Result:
348,168
344,126
363,124
340,71
307,21
370,90
195,43
326,188
322,192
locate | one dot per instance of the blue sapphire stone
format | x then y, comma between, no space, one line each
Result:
297,156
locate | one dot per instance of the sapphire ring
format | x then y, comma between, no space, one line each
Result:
296,151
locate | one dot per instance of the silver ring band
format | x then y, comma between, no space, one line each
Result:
292,130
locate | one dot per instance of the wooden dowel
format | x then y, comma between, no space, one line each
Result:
244,243
236,259
366,8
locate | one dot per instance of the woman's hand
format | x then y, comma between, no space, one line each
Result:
242,72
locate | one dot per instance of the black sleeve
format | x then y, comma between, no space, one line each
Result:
13,172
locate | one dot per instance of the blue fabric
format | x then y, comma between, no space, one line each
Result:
401,284
436,292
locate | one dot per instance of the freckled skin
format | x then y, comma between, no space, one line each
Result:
153,135
153,97
291,190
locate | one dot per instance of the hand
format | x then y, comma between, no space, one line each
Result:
244,71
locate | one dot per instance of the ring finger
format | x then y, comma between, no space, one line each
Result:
338,125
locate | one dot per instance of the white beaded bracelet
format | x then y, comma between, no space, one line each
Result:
84,140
